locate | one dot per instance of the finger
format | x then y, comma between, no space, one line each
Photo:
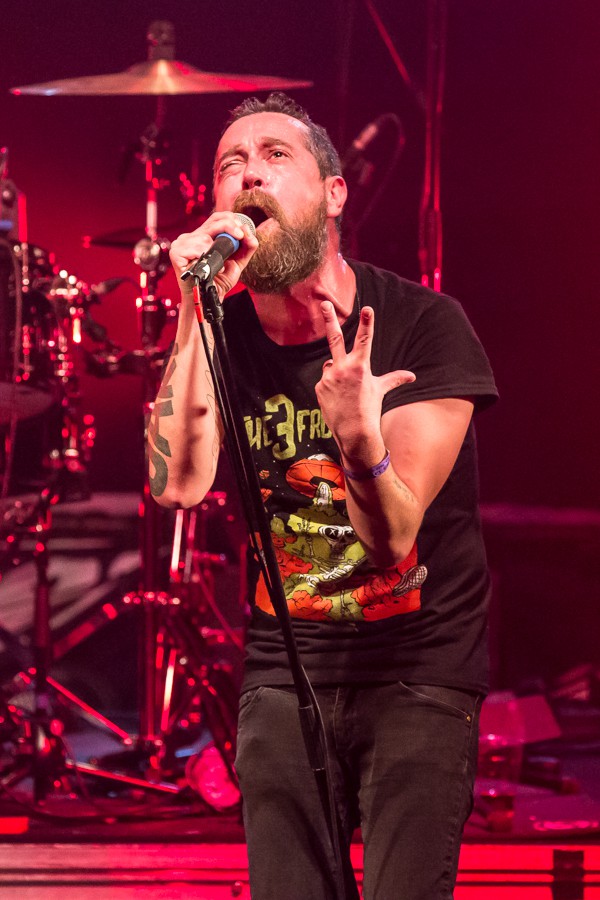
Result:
192,246
333,331
392,380
227,222
224,220
364,333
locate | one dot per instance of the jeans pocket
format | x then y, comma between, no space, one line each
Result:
462,703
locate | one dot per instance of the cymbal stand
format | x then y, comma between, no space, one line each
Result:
150,255
192,574
176,678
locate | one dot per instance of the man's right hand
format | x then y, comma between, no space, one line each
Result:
189,247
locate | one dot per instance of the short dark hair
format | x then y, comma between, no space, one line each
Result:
318,141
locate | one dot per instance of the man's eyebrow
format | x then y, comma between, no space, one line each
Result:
276,142
233,151
239,150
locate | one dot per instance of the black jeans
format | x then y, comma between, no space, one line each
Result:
404,759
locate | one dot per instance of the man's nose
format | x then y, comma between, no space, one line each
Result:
253,176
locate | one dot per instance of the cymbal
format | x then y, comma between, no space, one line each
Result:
158,77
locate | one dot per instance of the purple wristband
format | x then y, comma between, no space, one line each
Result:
373,472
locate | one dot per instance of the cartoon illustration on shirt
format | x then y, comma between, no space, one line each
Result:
323,565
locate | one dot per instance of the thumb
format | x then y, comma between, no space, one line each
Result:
392,380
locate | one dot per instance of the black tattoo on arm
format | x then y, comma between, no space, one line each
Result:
214,408
158,446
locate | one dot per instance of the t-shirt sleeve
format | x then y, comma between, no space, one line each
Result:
446,356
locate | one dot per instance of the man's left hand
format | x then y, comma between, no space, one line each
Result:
349,395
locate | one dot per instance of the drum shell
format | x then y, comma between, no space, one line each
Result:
29,335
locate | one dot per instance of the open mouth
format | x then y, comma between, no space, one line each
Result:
257,214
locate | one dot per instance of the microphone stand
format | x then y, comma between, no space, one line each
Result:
209,308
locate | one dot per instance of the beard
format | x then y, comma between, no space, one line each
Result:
291,252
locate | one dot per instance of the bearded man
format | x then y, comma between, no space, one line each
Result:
357,389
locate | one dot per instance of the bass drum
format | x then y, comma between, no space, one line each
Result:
28,331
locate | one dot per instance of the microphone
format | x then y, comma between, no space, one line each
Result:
106,286
355,157
224,246
362,141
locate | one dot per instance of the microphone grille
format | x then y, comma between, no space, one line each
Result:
246,222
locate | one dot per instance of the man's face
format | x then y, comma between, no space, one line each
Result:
264,169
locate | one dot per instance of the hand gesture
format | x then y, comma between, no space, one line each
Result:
349,395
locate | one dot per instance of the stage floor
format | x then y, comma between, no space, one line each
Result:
147,846
175,871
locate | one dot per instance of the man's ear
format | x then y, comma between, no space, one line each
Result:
336,193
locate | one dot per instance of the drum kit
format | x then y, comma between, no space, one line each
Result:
45,316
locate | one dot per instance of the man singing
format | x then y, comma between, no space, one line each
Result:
357,389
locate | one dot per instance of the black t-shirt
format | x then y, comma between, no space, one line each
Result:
422,621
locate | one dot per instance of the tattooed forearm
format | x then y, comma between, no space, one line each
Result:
407,495
158,446
210,399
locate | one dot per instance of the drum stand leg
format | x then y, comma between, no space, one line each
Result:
177,681
44,739
40,755
40,752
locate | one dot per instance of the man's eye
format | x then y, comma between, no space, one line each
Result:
228,164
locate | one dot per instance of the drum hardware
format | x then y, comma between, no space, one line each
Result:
50,309
69,299
25,326
190,688
17,399
177,684
167,647
181,689
39,752
32,351
182,684
44,308
13,213
195,685
192,571
187,686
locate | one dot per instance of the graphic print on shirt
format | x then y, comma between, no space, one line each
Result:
324,568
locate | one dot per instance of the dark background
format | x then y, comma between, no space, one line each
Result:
520,194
